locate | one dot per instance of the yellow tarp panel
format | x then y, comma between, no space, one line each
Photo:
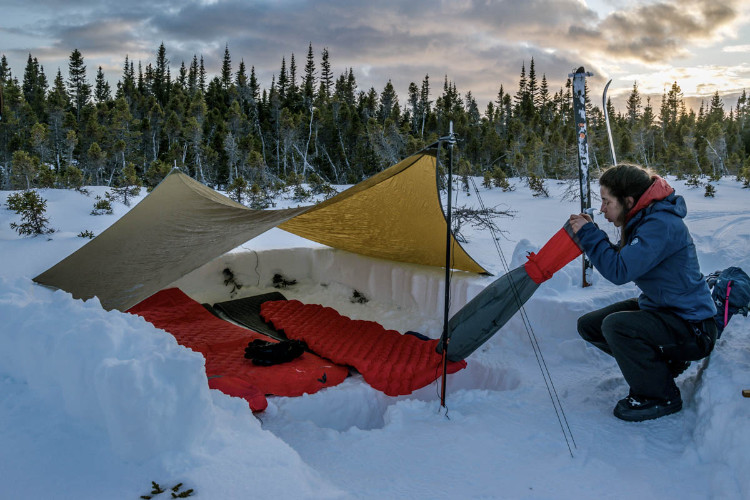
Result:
177,228
393,215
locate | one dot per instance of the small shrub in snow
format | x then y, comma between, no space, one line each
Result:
32,209
130,185
230,280
73,178
487,180
359,298
155,173
301,194
499,179
536,184
693,182
280,281
46,178
481,219
103,205
236,190
86,234
156,489
259,198
710,191
744,177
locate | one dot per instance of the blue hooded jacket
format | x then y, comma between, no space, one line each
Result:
659,257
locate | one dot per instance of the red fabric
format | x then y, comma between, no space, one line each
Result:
223,345
390,362
240,388
658,190
552,257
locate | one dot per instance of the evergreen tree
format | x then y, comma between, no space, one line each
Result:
532,86
253,85
388,100
102,91
282,85
182,76
34,87
126,86
226,69
522,93
716,109
193,76
202,77
326,76
78,88
309,80
293,94
161,81
634,105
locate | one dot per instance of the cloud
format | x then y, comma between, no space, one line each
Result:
478,44
736,48
662,31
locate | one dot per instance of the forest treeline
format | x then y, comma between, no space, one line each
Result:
314,126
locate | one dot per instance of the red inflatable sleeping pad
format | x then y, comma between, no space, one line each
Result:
390,362
223,345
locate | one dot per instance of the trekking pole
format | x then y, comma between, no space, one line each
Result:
451,140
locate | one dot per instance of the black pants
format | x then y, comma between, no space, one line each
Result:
643,341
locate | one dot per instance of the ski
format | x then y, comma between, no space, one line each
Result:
746,393
579,118
606,120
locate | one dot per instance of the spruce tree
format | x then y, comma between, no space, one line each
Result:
253,85
388,99
161,81
633,105
326,76
102,91
282,85
31,87
202,77
226,69
193,76
182,76
78,88
309,81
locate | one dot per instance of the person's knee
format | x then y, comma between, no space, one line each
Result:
584,327
615,326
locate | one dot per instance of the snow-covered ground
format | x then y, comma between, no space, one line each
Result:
97,404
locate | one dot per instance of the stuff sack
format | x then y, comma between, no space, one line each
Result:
730,290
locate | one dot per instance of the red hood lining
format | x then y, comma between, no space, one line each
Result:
658,190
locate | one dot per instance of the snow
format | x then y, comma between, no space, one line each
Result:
97,404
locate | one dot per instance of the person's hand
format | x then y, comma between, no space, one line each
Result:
577,221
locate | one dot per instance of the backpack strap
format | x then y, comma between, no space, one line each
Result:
726,303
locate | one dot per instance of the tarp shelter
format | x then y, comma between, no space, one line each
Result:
183,224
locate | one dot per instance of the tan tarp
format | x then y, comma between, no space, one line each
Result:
183,224
174,230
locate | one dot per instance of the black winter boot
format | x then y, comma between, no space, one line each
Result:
636,408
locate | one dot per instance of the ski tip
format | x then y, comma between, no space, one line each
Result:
746,393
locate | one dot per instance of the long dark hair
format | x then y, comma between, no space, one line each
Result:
623,180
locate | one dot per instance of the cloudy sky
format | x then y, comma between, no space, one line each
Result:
704,45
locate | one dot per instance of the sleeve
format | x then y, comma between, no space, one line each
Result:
644,251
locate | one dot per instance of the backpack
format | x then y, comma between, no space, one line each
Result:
730,291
